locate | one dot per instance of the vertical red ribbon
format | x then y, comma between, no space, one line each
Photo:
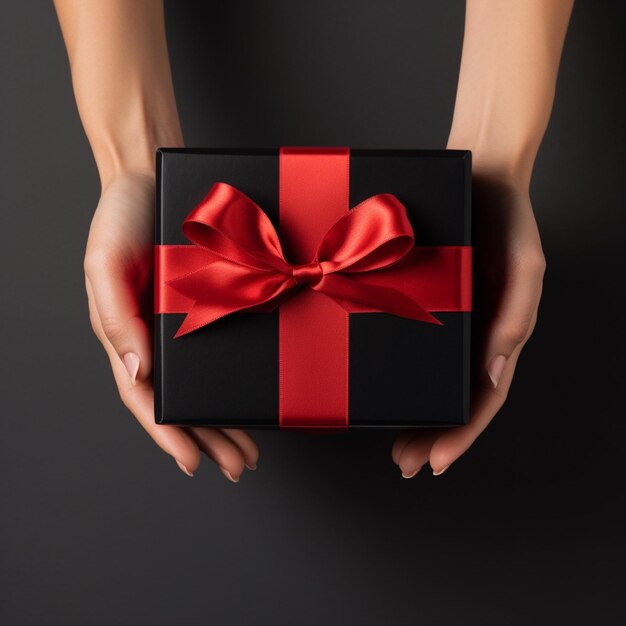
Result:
314,191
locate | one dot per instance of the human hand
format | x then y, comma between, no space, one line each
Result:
509,268
118,272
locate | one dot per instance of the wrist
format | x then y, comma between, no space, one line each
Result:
500,159
126,120
130,149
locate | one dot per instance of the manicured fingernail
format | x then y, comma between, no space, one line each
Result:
183,468
251,467
411,474
131,362
229,475
495,369
441,471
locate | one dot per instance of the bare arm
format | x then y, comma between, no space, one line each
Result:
122,82
511,55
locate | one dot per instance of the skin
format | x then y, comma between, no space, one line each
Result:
125,98
509,66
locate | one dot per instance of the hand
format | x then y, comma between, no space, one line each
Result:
509,269
118,271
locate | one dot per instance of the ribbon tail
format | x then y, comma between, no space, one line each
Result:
199,315
362,297
222,288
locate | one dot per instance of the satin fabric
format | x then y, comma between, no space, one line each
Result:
366,262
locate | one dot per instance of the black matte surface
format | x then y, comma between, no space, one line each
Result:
401,373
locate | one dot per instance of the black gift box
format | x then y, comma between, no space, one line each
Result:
401,372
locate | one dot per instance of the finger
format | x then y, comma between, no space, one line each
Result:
486,402
221,449
509,332
119,315
246,444
514,319
415,453
139,399
401,440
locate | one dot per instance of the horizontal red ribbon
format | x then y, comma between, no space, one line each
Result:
363,260
438,277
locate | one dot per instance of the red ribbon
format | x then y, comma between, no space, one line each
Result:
341,261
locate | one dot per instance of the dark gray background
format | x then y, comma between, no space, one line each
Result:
99,527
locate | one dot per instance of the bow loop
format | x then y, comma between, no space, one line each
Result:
373,235
230,224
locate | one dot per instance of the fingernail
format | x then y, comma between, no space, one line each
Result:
131,362
412,474
441,471
495,369
183,468
251,467
229,475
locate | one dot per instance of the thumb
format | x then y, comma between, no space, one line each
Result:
118,310
516,313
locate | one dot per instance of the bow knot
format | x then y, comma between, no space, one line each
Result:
307,273
240,263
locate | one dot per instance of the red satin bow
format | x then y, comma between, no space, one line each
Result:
362,262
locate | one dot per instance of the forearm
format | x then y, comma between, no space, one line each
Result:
122,81
509,66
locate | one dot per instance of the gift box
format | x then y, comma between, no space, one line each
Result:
312,287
